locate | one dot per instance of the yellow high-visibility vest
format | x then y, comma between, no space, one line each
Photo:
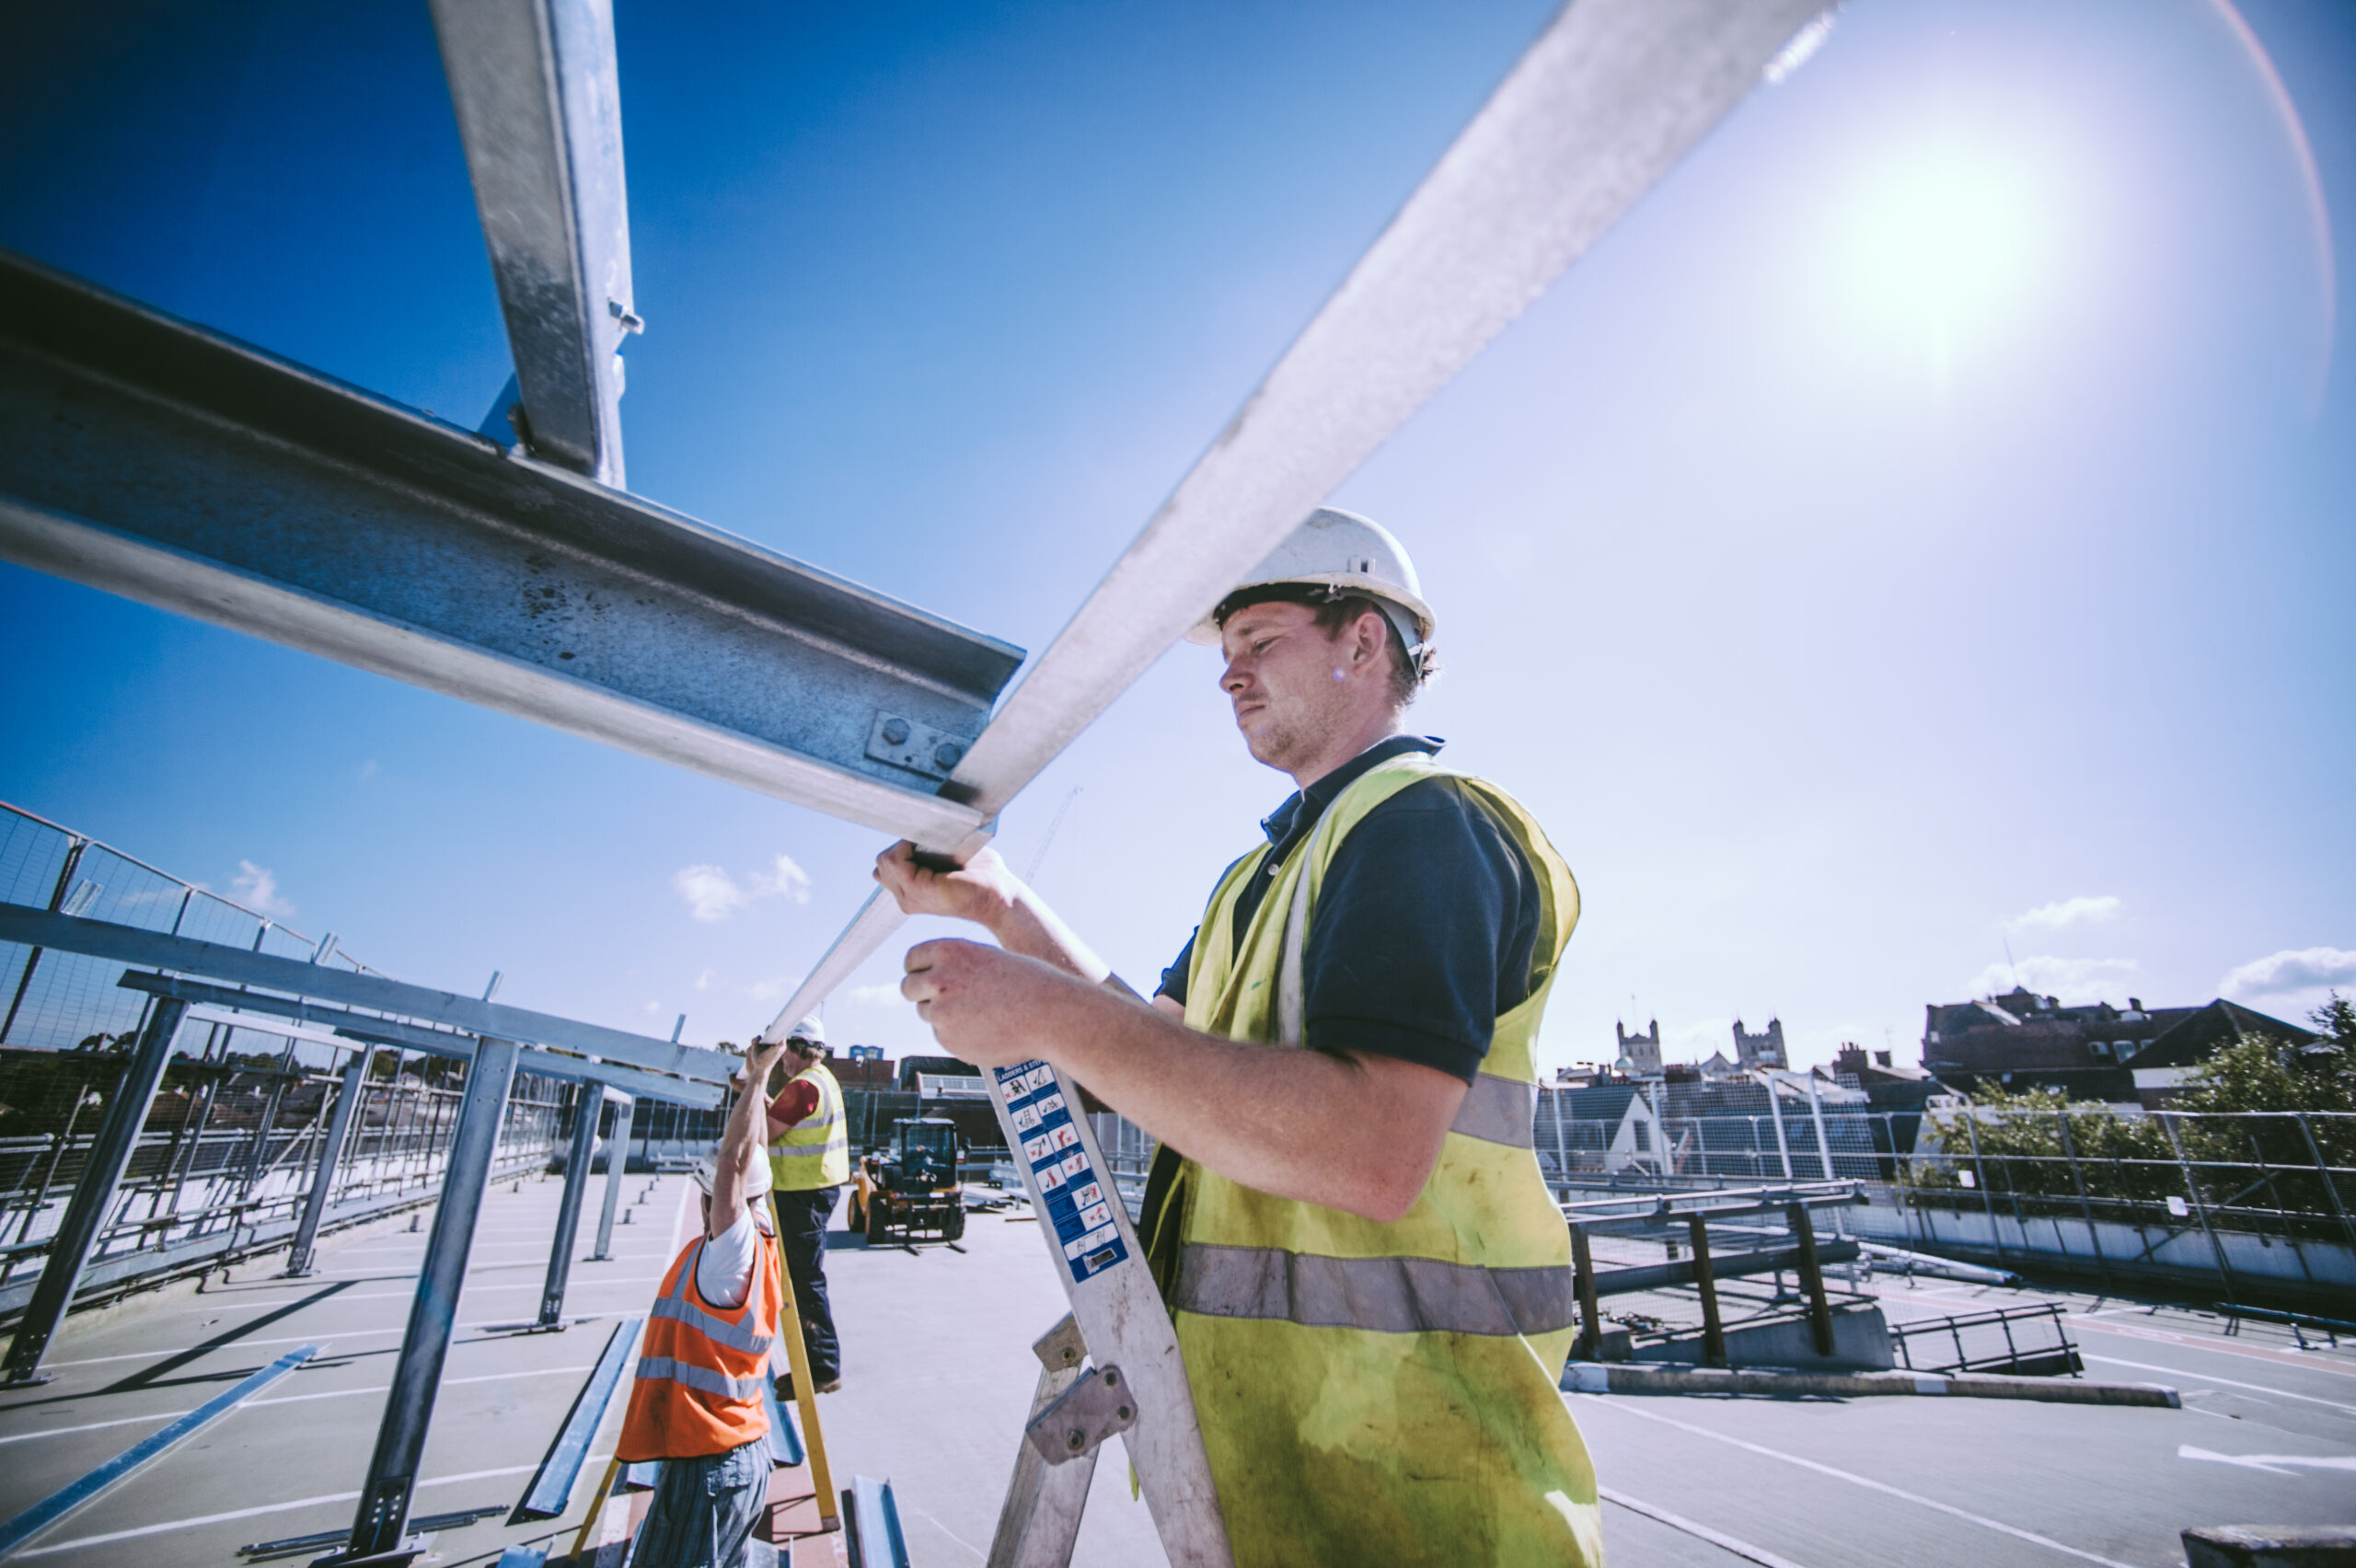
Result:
815,1151
1373,1392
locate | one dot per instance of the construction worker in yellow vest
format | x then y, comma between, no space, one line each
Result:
809,1162
1371,1284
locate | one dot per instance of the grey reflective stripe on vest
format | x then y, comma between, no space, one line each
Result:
663,1369
1499,1111
680,1307
1389,1296
805,1151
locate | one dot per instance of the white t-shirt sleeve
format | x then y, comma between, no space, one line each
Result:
724,1269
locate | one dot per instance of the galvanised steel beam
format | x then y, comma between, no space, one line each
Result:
152,458
380,1524
539,110
367,1029
294,977
314,1203
568,1214
86,1215
617,1163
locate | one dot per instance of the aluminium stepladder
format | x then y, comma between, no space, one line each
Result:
1136,1387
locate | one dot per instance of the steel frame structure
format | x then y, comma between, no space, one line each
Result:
200,475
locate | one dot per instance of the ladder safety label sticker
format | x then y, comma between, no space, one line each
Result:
1074,1199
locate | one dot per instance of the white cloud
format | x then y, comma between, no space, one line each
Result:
787,878
704,979
257,888
884,995
2064,912
369,770
2291,971
2077,981
770,989
712,894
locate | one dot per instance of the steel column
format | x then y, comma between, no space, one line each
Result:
567,1213
1811,1272
1979,1176
86,1215
1815,1111
314,1204
617,1163
379,1525
32,959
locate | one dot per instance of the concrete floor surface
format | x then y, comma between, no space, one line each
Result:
938,1376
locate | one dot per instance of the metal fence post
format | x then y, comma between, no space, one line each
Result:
2077,1179
2330,1187
380,1524
1713,1333
86,1215
1561,1146
1979,1176
567,1213
32,959
1823,1147
616,1161
1775,1109
1811,1272
315,1203
1591,1340
2200,1204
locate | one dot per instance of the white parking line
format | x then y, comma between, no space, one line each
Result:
274,1508
1627,1408
310,1338
446,1382
1742,1549
2228,1382
94,1425
2277,1464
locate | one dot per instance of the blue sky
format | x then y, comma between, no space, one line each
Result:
1923,526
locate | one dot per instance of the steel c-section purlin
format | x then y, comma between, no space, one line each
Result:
155,459
538,102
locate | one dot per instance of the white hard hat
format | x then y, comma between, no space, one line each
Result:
1348,554
812,1028
756,1176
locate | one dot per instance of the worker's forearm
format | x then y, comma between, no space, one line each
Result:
1295,1124
1026,925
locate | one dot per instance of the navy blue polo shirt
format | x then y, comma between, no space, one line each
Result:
1424,926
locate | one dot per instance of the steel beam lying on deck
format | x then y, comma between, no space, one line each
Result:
539,109
154,950
152,458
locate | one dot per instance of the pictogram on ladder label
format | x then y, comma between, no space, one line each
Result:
1077,1198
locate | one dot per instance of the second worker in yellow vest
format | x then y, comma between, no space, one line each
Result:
809,1162
1371,1281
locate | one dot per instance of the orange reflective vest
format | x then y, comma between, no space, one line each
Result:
701,1370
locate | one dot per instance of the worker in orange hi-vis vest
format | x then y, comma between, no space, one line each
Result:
698,1404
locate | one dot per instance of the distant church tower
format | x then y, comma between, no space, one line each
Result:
1641,1051
1760,1050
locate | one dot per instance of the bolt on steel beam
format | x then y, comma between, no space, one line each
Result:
157,460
